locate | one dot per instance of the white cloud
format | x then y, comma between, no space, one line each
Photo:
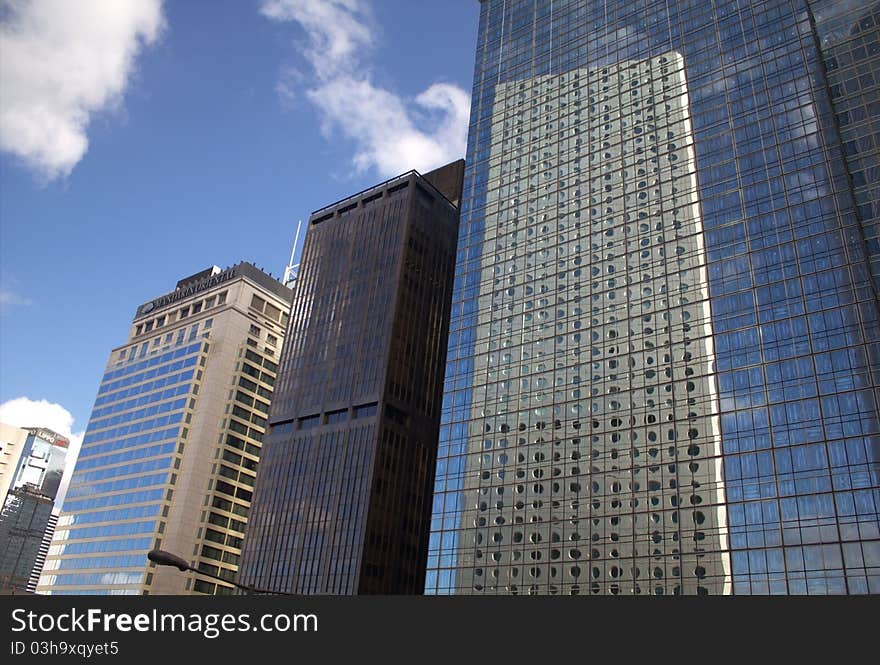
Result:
338,30
62,62
25,412
390,133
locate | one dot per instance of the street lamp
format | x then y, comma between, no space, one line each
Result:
163,558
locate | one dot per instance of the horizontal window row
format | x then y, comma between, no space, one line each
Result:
152,362
149,374
115,545
182,313
181,378
104,562
128,455
116,432
124,529
123,470
114,515
93,579
118,485
114,500
154,409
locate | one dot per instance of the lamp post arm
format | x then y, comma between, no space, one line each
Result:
164,558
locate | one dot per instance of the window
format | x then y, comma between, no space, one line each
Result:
139,329
283,427
244,399
221,298
334,417
211,552
271,340
196,308
209,302
365,410
160,321
273,312
208,323
254,331
215,536
184,312
258,303
225,488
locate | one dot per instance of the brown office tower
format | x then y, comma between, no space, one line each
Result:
342,502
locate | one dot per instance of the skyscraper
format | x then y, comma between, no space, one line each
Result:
27,514
43,550
171,449
848,34
12,442
663,367
343,497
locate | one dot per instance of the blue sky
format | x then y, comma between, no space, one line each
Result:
143,141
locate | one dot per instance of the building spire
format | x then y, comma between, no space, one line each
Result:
292,269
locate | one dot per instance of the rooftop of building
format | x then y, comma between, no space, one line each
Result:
213,276
44,433
429,179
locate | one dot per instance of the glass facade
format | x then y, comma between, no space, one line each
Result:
172,446
664,354
207,517
849,40
124,472
342,498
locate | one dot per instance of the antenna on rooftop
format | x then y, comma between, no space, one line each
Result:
292,269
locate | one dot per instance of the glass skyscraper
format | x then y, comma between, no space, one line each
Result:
172,446
849,40
664,358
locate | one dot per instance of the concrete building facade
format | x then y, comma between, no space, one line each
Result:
171,449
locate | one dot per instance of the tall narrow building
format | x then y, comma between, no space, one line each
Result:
12,443
848,34
27,511
43,550
173,442
343,497
664,362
